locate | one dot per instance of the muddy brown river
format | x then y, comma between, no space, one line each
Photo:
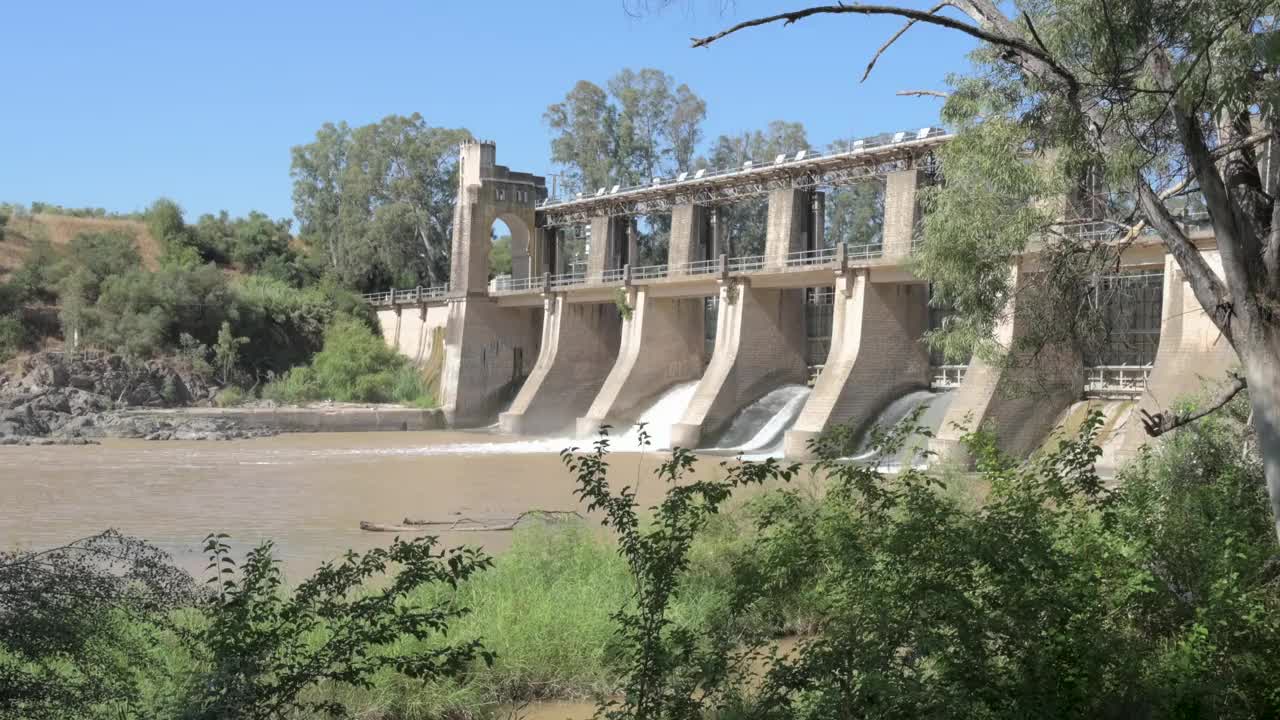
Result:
307,493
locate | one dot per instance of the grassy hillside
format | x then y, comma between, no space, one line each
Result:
60,229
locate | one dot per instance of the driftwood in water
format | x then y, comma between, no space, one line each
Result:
380,527
466,524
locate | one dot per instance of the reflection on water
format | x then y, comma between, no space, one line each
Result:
306,492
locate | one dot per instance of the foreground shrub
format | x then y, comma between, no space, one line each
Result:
355,365
77,624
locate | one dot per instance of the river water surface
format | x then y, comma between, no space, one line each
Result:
307,493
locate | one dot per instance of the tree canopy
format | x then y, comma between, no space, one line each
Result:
377,201
1123,109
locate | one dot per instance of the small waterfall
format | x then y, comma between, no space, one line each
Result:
757,429
658,419
895,413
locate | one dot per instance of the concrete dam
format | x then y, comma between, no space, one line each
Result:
758,344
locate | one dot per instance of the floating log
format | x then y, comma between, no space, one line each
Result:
380,527
466,524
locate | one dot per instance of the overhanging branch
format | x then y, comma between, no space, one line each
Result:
1162,422
1010,42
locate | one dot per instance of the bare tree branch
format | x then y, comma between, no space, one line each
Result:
1226,225
1011,42
901,31
924,93
1162,422
1206,286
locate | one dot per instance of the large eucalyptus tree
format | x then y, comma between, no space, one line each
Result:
1160,98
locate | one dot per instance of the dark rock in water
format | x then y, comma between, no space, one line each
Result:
59,400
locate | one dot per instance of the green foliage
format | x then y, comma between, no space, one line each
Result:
262,649
355,365
670,669
376,202
641,127
500,256
745,221
77,623
36,279
12,336
141,313
226,351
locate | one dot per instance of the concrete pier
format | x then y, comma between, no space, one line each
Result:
1193,355
760,342
1019,400
662,346
876,356
579,348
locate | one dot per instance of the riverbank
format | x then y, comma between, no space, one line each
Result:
51,398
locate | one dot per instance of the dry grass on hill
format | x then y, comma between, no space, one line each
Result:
60,229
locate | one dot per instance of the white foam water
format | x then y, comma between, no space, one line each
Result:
658,419
896,412
757,430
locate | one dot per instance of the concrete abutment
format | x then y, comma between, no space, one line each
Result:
578,349
489,350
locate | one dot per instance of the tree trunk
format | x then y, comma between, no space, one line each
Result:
1260,357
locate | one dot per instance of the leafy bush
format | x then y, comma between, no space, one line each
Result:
355,365
77,624
260,650
12,336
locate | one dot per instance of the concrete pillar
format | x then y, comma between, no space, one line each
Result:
785,232
688,228
719,233
901,211
543,259
579,348
876,357
760,342
1192,355
819,223
1019,401
489,350
612,240
598,246
662,346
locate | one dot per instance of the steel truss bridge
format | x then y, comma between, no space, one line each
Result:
807,169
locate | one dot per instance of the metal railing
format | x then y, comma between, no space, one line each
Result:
512,285
856,147
746,263
1116,380
946,376
408,295
648,272
694,267
865,250
803,258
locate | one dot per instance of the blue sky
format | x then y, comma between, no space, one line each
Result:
114,104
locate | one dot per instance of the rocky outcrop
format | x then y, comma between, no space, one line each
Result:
53,399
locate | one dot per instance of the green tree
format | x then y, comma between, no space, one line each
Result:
644,126
377,201
1153,99
500,256
226,351
745,221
